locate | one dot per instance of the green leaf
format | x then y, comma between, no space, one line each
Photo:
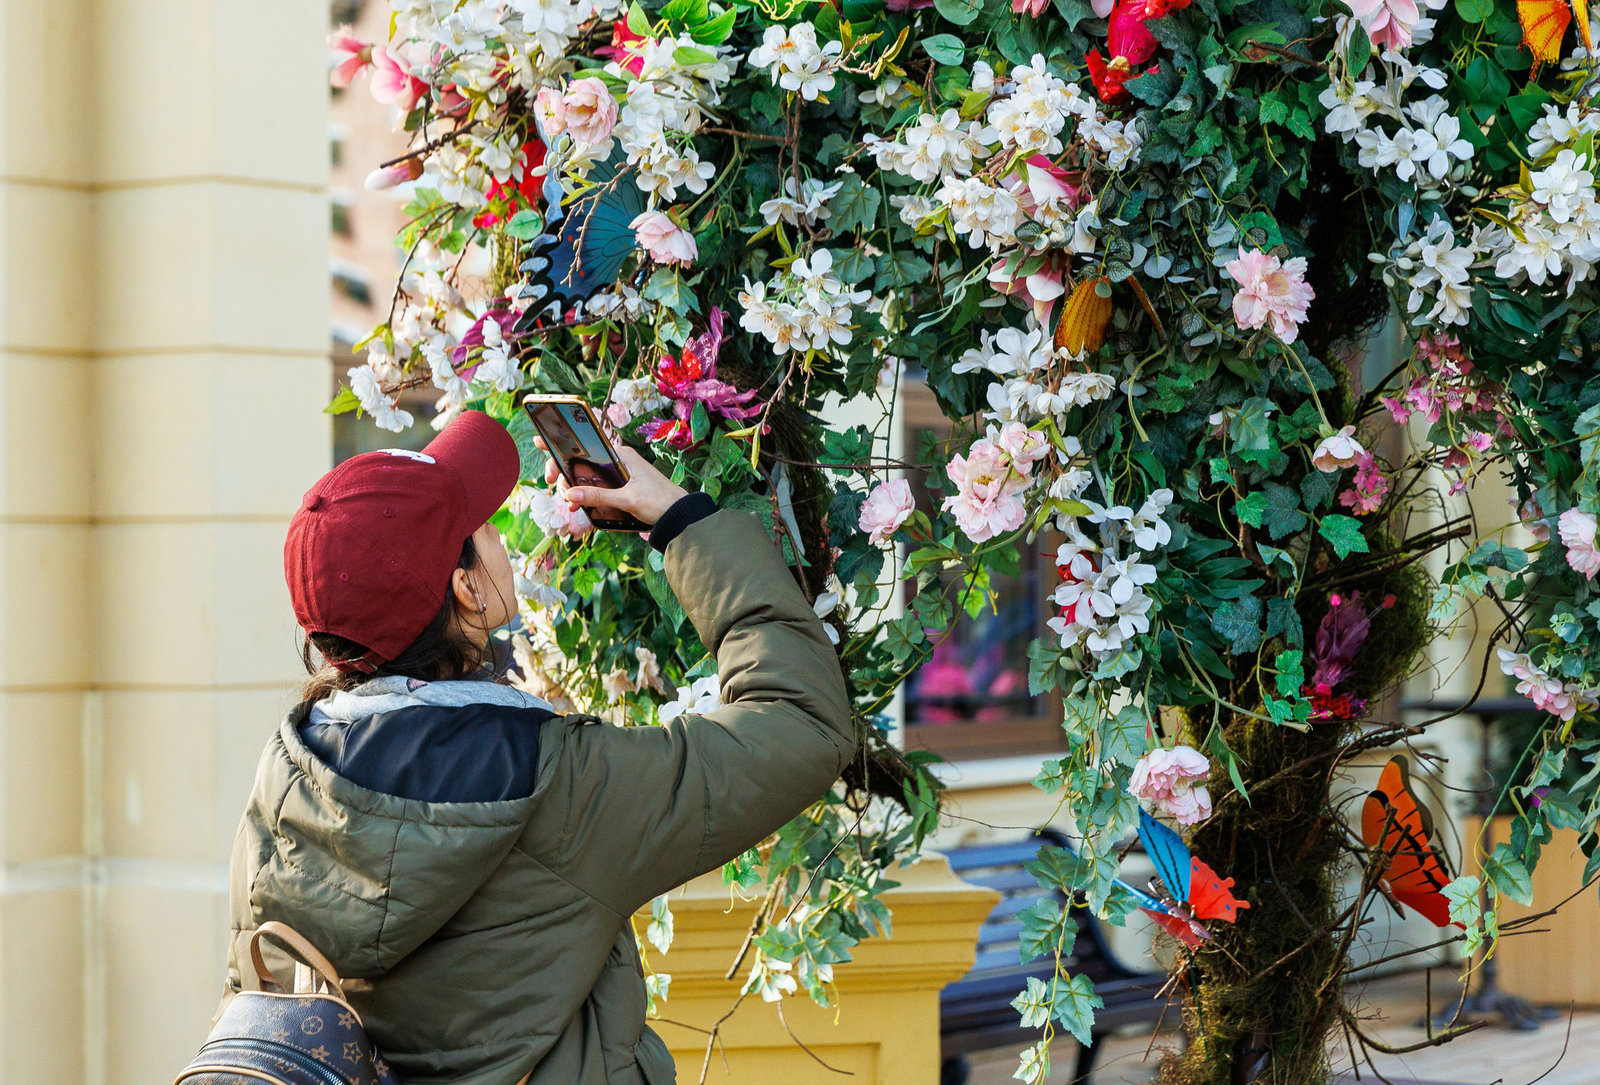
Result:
715,31
1344,532
689,56
1239,623
1474,11
1122,735
638,21
1250,430
1034,1003
1291,673
1507,874
1276,507
1047,928
1074,1006
1359,51
343,403
854,206
960,12
944,48
668,287
525,225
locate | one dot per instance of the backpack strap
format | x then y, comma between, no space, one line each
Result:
315,966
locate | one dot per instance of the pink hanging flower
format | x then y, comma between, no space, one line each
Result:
1023,445
590,110
1533,519
398,174
622,48
1166,779
889,505
1578,536
1270,291
1388,22
1035,8
663,239
1338,451
1368,488
392,81
351,57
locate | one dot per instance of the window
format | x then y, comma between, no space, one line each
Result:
338,134
339,209
352,281
970,700
346,12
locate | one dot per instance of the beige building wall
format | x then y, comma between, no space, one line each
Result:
163,346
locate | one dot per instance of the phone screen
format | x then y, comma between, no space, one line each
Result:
579,450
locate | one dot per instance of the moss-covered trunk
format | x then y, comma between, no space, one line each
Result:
1262,998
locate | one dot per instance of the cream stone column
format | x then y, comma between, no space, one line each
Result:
164,323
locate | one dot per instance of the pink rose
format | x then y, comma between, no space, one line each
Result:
1270,291
889,505
1338,451
551,108
1166,779
1023,445
985,503
664,240
1578,536
591,111
1034,8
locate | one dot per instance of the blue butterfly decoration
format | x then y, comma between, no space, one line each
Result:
1169,853
585,243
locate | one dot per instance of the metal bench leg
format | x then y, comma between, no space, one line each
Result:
954,1071
1085,1064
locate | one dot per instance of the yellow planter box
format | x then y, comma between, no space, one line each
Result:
885,1027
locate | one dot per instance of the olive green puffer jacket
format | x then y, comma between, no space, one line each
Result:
487,941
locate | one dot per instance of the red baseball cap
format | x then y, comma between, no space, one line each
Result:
373,545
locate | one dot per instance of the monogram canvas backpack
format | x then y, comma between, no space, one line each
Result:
274,1036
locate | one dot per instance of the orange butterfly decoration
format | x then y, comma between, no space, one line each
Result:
1399,830
1544,24
1209,898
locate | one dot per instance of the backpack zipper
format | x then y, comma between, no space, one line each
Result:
290,1054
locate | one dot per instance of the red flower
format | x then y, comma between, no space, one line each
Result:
1109,77
1157,9
619,50
505,200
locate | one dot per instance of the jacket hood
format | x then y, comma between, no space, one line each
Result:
368,877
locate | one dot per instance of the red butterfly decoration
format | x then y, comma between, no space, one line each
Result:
1399,830
1208,899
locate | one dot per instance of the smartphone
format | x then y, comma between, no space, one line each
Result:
582,454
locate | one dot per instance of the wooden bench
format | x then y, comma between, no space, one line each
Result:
975,1012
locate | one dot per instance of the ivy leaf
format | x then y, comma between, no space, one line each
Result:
1474,11
1291,673
668,287
1033,1004
1508,875
1344,532
525,225
1275,507
1047,928
901,268
1074,1006
854,206
1239,623
1250,430
1052,776
1122,736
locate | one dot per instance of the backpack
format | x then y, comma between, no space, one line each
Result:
273,1036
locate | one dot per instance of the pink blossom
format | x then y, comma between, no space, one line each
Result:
591,111
1047,181
1034,8
889,505
985,503
1338,451
663,239
1040,287
351,57
1270,291
1388,22
550,105
1167,780
1368,488
398,174
1533,519
392,80
1023,445
1577,535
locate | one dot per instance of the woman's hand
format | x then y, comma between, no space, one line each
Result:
647,495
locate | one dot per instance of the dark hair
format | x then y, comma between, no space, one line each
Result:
437,654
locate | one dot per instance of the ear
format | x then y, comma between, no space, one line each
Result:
465,592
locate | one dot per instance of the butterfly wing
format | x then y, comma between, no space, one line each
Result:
1544,24
587,240
1167,850
1209,897
1397,826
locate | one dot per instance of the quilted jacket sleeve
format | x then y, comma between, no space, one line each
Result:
648,808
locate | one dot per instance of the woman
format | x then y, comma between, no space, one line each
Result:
466,856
